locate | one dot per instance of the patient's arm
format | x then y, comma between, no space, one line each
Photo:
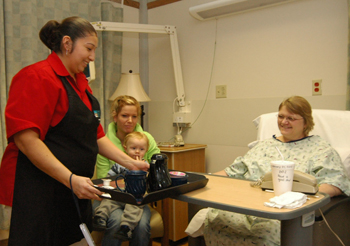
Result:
331,190
222,173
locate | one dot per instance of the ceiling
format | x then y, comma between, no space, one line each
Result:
150,3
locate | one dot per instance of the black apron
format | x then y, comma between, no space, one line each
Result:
44,212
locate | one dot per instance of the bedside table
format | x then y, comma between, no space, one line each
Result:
191,158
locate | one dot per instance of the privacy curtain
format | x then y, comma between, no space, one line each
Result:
111,43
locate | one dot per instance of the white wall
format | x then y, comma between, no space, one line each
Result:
262,56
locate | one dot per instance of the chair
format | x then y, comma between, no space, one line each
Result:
333,126
156,223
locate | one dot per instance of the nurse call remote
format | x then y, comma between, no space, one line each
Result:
87,234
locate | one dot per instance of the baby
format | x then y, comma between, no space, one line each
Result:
136,145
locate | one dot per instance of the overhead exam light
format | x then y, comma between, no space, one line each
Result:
158,29
184,110
130,84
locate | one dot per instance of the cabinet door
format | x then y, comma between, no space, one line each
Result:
191,160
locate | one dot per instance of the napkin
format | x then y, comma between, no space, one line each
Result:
289,200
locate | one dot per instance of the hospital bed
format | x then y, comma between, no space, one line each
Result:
333,126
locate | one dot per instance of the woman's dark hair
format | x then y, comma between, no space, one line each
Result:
75,27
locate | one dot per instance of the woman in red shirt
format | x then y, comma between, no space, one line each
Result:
54,136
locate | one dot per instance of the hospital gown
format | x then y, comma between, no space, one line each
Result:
311,155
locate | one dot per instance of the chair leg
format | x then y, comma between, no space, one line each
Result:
150,242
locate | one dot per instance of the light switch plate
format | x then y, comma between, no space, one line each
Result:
221,91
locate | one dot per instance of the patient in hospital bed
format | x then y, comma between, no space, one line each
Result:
311,154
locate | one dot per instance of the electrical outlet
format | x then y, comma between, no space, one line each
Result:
317,87
221,91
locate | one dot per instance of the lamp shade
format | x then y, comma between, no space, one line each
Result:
130,84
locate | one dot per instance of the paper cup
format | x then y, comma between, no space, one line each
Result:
282,176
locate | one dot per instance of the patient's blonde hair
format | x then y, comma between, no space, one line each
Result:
299,105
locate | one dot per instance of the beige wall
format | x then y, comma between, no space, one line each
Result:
262,56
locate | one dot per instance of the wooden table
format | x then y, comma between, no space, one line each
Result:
238,196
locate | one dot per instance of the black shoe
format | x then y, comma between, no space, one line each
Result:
124,233
99,224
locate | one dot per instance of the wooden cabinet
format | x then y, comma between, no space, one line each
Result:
190,157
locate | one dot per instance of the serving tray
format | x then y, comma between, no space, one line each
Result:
195,181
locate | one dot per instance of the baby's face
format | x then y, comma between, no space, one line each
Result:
136,148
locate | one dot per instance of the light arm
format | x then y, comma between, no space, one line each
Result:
146,28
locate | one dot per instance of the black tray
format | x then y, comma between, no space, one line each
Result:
194,182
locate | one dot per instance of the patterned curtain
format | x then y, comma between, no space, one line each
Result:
111,53
348,84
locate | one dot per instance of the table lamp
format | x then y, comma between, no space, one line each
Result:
130,84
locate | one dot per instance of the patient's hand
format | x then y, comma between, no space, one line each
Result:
331,190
